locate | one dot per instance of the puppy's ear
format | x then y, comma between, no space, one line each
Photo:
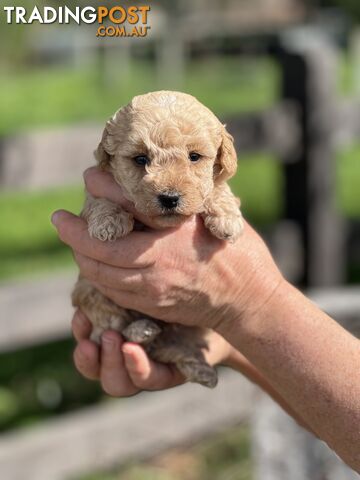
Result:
101,154
226,161
107,147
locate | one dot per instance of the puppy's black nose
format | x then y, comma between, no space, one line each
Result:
169,201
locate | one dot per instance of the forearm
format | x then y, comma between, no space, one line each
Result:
309,361
240,363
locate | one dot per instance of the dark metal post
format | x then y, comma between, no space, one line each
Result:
309,79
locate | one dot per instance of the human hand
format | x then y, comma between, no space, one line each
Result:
182,275
124,369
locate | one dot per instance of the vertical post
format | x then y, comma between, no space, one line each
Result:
281,449
171,49
309,79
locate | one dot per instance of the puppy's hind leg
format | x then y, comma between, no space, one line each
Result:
142,331
102,312
198,372
182,346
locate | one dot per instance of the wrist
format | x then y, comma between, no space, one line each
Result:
245,318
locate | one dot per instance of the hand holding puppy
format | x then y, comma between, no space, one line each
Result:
166,274
294,351
126,368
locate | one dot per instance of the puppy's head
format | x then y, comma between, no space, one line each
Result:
167,151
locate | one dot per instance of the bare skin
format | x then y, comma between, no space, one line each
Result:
293,350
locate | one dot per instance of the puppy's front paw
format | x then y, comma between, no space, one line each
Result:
111,227
228,227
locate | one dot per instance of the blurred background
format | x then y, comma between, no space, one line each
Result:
285,77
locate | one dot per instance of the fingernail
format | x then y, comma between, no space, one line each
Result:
55,218
107,343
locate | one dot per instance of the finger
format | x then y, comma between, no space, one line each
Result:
103,185
146,374
114,378
81,326
86,359
115,277
136,250
138,302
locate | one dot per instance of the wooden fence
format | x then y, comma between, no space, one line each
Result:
302,131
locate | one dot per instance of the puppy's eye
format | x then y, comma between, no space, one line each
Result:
194,157
142,160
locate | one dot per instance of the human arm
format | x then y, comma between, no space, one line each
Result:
185,275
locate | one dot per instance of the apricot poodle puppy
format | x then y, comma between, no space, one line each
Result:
172,157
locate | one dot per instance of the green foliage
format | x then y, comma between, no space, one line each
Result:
28,241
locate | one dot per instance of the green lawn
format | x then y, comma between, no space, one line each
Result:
28,243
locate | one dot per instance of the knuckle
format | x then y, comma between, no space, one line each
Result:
157,288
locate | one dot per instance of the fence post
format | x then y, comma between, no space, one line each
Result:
309,78
282,450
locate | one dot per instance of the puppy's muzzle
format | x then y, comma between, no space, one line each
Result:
169,201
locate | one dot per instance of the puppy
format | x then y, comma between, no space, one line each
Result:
172,157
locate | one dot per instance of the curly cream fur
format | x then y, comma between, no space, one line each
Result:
165,126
